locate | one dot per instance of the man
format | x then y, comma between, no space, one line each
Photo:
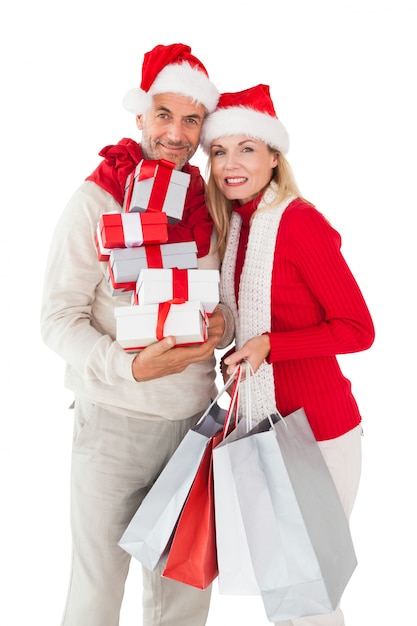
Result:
131,410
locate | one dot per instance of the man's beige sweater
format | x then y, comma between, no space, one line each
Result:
78,323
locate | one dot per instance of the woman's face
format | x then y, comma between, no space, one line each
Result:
241,166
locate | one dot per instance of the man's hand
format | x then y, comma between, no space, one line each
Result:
216,327
160,359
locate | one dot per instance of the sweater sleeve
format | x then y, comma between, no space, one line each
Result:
76,319
331,316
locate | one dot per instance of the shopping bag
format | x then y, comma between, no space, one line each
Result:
147,536
296,531
236,573
235,570
192,555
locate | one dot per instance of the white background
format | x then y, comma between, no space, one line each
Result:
342,76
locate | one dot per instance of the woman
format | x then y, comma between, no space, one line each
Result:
296,304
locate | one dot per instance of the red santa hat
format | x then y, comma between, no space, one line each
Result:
172,69
250,112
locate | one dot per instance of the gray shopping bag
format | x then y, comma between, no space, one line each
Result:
150,529
147,536
296,531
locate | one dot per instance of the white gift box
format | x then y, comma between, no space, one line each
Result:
126,263
137,326
121,289
156,186
160,285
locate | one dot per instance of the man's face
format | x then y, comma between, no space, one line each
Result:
171,128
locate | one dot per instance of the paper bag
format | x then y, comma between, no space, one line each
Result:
147,536
296,531
192,557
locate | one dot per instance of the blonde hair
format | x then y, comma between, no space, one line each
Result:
221,208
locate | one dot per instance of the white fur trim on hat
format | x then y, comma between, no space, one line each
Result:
175,78
188,81
137,101
244,121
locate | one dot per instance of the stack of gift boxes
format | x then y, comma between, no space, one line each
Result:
169,294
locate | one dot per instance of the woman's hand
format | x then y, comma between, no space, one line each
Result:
255,351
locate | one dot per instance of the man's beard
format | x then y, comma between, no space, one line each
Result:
151,150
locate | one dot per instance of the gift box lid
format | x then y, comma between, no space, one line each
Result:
114,218
126,263
177,177
157,285
125,254
165,275
128,230
152,309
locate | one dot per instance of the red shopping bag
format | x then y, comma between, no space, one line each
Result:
192,557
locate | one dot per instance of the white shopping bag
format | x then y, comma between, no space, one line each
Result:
236,575
281,529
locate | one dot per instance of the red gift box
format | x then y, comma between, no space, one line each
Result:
103,253
131,230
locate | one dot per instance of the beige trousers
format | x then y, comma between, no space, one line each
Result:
115,460
343,456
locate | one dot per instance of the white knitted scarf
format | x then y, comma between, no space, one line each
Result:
252,315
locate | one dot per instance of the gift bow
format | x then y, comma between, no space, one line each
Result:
179,296
163,310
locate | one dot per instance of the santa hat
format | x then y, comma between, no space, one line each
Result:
172,69
250,112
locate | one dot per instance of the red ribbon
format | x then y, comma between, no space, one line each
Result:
163,310
154,256
160,186
147,169
180,283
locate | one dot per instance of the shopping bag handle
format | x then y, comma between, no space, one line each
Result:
251,376
235,377
234,402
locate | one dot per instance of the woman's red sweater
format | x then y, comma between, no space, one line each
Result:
318,312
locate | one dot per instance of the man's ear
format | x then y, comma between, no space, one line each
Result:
139,122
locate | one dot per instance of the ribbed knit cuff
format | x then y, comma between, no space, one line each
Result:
229,329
